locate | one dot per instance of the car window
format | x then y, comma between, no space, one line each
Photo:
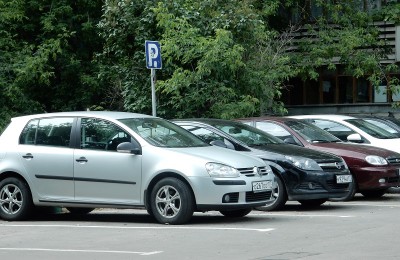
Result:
371,129
382,125
312,133
207,135
247,134
100,134
160,132
274,129
339,130
48,132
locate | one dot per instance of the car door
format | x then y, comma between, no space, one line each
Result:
101,174
46,154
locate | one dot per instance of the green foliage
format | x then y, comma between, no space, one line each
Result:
47,52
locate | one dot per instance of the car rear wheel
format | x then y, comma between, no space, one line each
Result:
15,199
312,203
279,197
373,193
238,213
80,211
172,201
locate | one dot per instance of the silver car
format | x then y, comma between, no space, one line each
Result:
87,160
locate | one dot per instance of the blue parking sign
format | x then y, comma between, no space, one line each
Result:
153,55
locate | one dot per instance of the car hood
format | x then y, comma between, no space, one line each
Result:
219,155
355,150
293,150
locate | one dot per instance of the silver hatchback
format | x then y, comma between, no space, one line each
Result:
87,160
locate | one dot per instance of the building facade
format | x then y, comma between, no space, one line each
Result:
339,93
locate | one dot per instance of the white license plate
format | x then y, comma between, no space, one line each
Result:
260,186
344,178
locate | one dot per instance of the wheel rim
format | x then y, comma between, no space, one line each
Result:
11,199
168,201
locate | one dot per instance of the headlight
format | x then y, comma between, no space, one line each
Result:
376,160
304,163
221,170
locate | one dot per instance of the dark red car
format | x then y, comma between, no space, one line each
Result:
374,169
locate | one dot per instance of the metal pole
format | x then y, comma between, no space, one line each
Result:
153,91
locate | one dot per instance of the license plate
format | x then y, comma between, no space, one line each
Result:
260,186
344,178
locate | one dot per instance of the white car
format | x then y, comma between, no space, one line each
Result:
87,160
356,130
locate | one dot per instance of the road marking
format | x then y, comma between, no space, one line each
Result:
160,227
80,250
303,215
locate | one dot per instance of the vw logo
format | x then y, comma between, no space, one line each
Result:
338,165
257,171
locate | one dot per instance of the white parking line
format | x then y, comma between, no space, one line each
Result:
159,227
297,214
78,250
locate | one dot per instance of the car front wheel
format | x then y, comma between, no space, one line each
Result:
172,201
15,199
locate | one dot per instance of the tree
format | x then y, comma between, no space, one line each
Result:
48,49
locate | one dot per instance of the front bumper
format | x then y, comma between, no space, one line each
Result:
378,177
227,193
304,185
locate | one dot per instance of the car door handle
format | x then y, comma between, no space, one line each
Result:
27,156
81,160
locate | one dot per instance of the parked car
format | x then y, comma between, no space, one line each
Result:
374,169
310,177
85,160
356,130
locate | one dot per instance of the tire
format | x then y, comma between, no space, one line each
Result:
80,211
15,199
373,194
172,201
238,213
279,193
312,203
350,195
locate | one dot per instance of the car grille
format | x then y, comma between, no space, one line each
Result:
393,179
332,166
250,172
308,186
257,196
335,186
393,160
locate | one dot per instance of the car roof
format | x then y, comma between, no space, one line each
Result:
324,116
102,114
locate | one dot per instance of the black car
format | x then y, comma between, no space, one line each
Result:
304,175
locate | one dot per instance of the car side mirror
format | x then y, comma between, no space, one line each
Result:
355,138
219,143
128,147
290,140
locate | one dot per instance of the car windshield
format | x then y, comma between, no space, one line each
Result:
247,134
371,129
162,133
312,133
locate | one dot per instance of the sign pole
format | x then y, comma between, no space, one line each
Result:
153,91
153,61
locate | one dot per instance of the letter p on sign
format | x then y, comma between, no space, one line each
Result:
153,55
